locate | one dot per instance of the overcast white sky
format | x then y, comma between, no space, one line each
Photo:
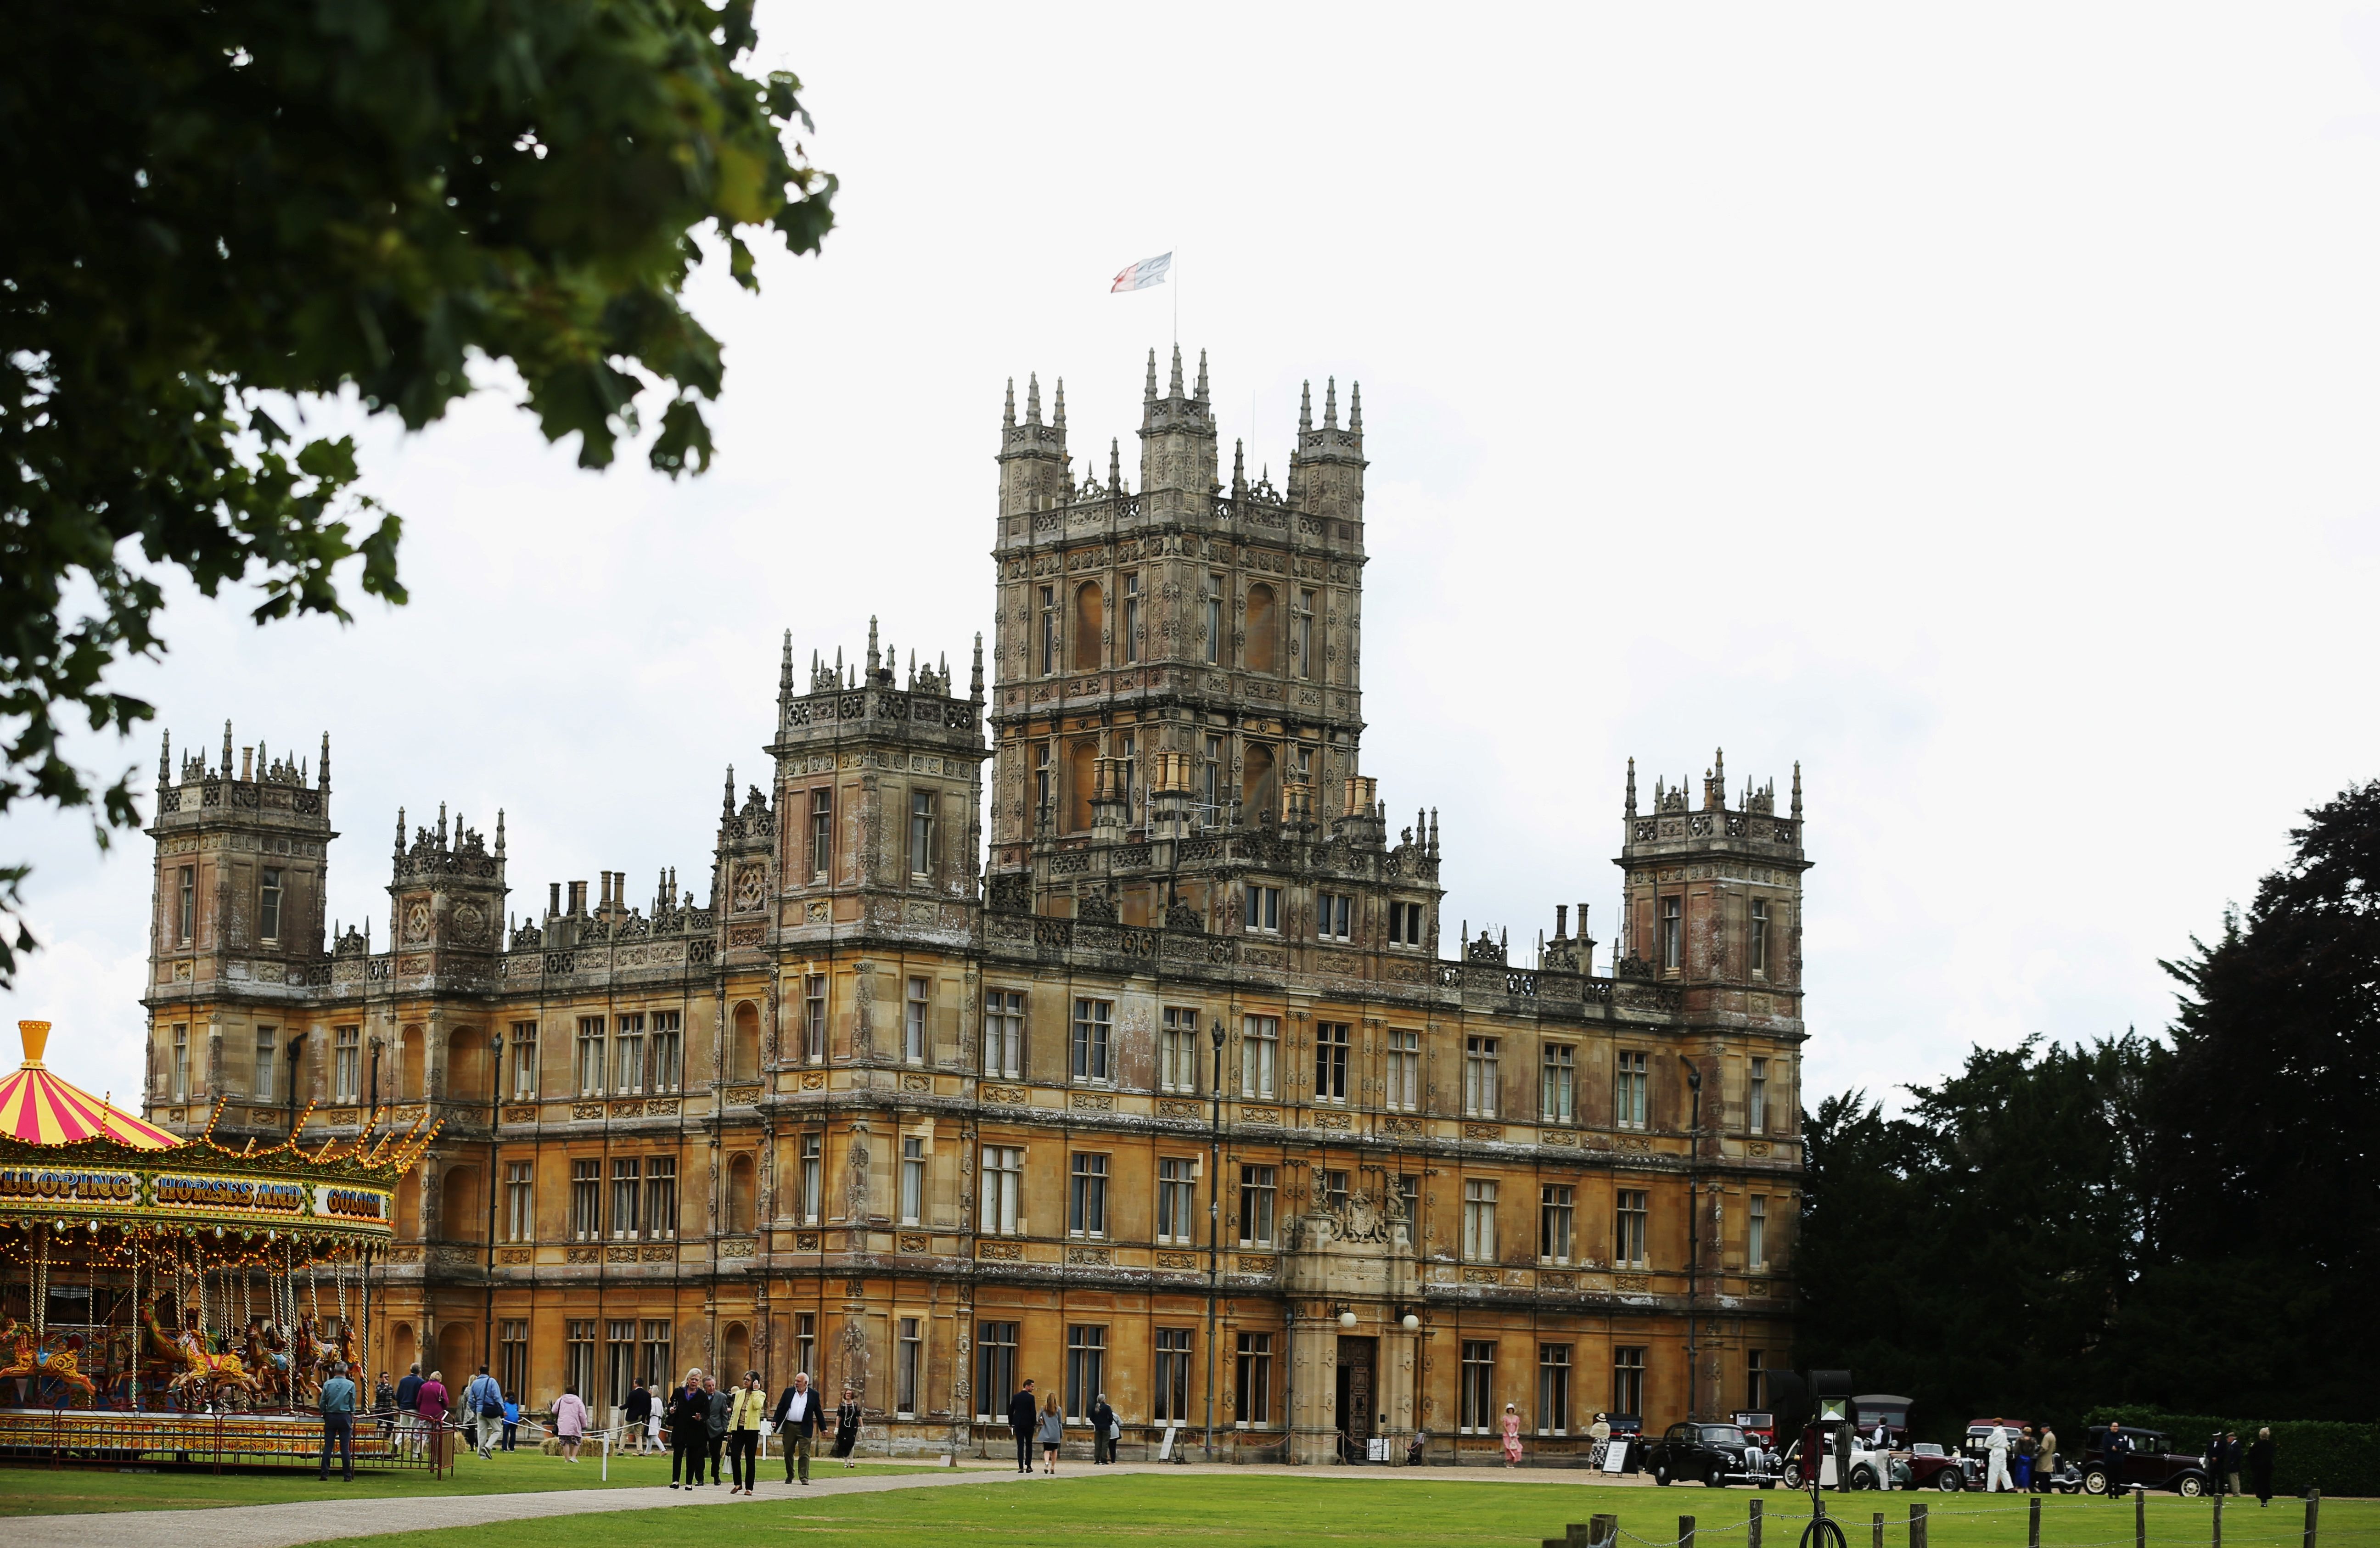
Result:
1976,405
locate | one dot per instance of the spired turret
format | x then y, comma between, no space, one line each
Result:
1033,460
1177,446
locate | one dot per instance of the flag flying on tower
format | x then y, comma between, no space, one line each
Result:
1141,275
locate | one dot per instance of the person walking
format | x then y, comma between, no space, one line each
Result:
637,1413
1511,1436
483,1407
1024,1415
409,1408
385,1408
2260,1465
1996,1477
723,1408
746,1415
431,1401
512,1421
689,1427
1105,1427
2024,1450
1052,1431
847,1416
569,1421
797,1421
338,1404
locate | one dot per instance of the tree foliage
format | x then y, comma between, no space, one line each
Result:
213,210
2180,1227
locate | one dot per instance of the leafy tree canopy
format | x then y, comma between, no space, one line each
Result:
2185,1228
209,209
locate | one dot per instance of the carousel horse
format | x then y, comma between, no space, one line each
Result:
202,1372
306,1365
27,1358
266,1354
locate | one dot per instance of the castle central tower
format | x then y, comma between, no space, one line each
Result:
1178,692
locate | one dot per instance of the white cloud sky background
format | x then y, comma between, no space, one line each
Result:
1976,407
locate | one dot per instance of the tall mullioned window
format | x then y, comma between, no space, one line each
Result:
1628,1090
591,1056
628,1056
1553,1389
1479,1077
1172,1404
1001,1191
1092,1025
586,1199
822,834
524,1059
1086,1196
1479,1221
178,1072
1756,1232
1556,1211
1131,618
186,903
268,1054
1478,1412
1049,630
1252,1373
921,835
1755,1101
1404,1070
1558,1084
1177,1199
1672,934
521,1202
1177,1050
995,1368
627,1197
913,1020
913,1179
579,1357
1330,1040
813,1177
1259,1053
1256,1189
666,1053
268,904
347,1063
1630,1219
1300,642
1628,1380
814,1016
1213,600
1759,953
661,1198
1003,1033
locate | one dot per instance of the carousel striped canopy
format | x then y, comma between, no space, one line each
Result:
39,1108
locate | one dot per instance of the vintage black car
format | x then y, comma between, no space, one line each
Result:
1716,1454
2147,1461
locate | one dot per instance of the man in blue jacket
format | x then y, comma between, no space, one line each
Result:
339,1424
483,1406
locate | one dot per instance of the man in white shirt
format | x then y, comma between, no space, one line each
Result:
797,1424
1996,1478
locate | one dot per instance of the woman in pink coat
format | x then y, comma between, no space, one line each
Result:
1511,1436
569,1422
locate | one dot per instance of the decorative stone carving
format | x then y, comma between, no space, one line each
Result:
1002,1251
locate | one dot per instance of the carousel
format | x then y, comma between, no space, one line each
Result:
165,1302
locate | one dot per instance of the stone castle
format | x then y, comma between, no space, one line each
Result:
1183,1101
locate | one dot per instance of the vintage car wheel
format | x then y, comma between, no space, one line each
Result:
1948,1481
2190,1486
1863,1477
1792,1475
1661,1474
2094,1483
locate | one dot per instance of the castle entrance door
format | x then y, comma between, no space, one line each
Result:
1359,1361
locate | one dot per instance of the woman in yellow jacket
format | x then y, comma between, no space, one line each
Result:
744,1422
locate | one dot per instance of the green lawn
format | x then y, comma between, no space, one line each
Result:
37,1491
1255,1511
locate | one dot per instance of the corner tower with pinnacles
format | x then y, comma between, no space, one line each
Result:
923,1100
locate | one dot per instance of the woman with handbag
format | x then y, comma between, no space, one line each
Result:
846,1426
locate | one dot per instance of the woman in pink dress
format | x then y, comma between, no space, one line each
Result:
1511,1436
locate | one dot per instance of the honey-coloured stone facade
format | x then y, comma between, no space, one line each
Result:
921,1095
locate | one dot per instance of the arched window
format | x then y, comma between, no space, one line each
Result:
738,1344
740,1195
1082,783
1090,622
459,1215
1259,784
408,1065
467,1065
1262,652
744,1044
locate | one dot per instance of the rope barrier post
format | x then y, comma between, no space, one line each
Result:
1685,1531
2032,1529
1752,1525
1601,1531
1876,1530
2140,1516
607,1457
2218,1521
1916,1525
2313,1514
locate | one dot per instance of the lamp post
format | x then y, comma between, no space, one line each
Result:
495,1114
1694,1234
1214,1223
